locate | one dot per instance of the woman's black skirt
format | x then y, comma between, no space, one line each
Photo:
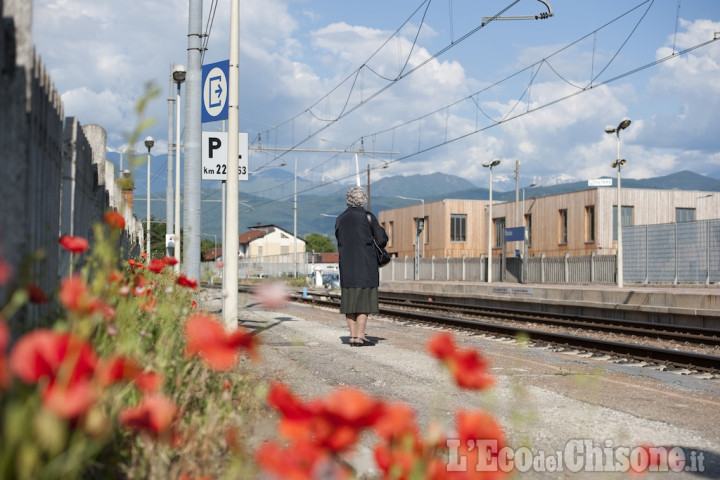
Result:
359,300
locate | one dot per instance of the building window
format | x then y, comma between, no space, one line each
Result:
458,225
684,215
627,219
389,231
590,224
284,249
499,231
528,229
562,227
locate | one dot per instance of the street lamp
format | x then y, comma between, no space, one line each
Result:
523,200
619,164
525,236
179,74
490,165
149,143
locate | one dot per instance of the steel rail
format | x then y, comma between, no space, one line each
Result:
677,358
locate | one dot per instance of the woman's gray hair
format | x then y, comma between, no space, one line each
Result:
356,197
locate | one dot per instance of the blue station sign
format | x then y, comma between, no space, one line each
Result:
215,91
515,234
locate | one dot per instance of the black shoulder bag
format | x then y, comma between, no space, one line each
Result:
383,257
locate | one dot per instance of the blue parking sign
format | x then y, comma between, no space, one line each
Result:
215,91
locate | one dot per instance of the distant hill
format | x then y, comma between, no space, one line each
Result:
436,184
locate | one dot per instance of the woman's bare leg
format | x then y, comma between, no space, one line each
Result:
360,324
352,325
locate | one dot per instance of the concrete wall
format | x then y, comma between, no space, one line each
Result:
56,179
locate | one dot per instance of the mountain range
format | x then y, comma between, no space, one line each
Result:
268,198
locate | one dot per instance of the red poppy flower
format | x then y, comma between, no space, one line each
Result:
121,368
150,305
226,385
63,364
156,266
206,336
352,407
478,425
332,423
171,261
184,281
143,255
116,369
397,420
74,244
135,263
4,341
36,294
70,401
467,366
441,345
301,461
114,220
148,382
470,370
481,439
397,461
75,295
155,415
115,277
289,405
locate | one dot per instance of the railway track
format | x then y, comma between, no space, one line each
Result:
475,319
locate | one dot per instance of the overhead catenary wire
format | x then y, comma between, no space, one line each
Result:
475,97
518,115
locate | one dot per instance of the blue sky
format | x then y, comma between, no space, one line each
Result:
527,90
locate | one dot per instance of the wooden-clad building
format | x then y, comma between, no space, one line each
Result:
577,223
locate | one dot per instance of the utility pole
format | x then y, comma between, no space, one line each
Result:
368,186
295,221
193,140
169,213
517,200
230,243
517,191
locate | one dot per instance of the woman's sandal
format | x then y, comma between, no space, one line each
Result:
353,342
364,342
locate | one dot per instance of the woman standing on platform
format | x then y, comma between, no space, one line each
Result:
359,272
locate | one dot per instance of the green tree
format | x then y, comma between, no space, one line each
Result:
208,244
319,243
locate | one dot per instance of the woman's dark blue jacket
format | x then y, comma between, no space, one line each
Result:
354,234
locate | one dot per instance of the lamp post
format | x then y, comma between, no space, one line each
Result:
490,166
179,74
525,237
618,163
149,143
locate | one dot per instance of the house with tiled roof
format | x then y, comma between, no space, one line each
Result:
269,240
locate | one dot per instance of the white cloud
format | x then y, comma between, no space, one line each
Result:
286,68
